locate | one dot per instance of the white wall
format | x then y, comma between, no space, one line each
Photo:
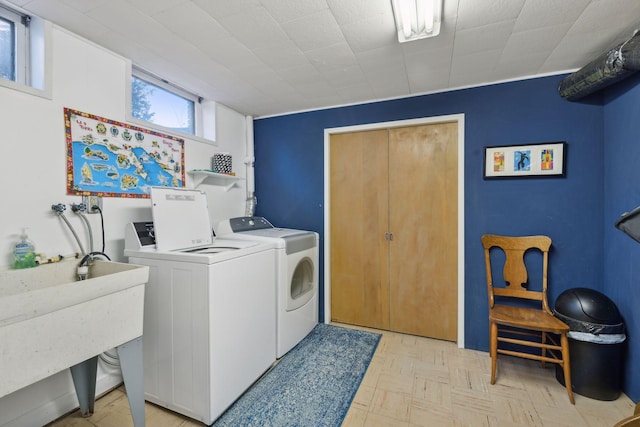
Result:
90,79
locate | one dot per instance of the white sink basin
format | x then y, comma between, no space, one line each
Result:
50,321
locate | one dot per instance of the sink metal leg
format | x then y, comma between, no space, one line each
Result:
130,354
84,379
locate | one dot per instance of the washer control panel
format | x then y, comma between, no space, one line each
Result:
248,223
139,235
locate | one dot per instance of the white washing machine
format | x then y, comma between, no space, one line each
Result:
209,315
296,275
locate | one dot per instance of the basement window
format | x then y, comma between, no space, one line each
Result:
22,52
159,104
14,45
157,101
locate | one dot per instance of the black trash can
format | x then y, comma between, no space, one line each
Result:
595,342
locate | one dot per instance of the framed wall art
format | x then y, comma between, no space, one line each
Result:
523,161
113,159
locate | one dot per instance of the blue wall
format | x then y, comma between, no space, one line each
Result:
622,194
289,153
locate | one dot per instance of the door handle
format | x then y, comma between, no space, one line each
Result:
388,236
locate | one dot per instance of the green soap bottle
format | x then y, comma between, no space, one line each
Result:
24,255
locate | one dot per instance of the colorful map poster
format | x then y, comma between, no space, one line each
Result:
113,159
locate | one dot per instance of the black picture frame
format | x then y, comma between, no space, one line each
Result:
546,159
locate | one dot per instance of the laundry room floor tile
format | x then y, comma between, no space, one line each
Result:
414,381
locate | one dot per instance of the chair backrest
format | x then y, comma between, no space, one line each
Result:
515,271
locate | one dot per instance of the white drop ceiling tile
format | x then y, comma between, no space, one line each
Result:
335,56
432,82
426,76
290,10
323,102
489,37
152,7
359,92
281,93
344,77
270,83
137,26
191,23
257,76
281,56
419,61
318,88
386,80
314,46
383,77
81,5
391,89
386,58
314,31
347,12
232,54
255,28
474,13
600,14
560,60
516,67
475,67
244,92
545,39
418,70
546,13
221,9
70,18
576,50
300,75
21,3
371,33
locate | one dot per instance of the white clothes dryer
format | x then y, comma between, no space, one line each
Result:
297,262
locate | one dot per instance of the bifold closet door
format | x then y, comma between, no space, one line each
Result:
423,217
393,229
358,219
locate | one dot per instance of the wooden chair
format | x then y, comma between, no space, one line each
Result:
632,421
520,327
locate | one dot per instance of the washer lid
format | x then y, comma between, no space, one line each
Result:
180,218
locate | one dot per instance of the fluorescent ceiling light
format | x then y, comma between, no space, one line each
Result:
417,19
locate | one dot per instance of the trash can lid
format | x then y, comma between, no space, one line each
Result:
587,310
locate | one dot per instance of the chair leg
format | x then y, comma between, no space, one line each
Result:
566,365
493,349
544,350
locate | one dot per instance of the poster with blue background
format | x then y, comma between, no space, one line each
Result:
109,158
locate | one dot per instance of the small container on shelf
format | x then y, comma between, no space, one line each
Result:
221,163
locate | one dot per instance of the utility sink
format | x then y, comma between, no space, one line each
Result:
50,321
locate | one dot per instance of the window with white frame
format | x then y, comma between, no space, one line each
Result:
158,102
14,46
25,57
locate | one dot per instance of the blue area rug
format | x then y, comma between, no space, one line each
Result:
312,385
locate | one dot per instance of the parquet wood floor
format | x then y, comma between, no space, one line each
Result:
421,382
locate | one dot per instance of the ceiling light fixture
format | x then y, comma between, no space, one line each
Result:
417,19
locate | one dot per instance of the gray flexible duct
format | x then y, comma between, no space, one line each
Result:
609,68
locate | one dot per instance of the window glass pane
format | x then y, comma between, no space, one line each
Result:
154,104
7,50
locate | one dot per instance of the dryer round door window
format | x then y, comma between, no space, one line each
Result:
301,286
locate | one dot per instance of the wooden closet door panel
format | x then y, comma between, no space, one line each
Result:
423,219
358,220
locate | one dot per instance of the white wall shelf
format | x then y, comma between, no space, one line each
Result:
214,178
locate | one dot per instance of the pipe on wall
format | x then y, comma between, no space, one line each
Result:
250,162
609,68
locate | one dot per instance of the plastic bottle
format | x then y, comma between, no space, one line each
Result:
24,255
